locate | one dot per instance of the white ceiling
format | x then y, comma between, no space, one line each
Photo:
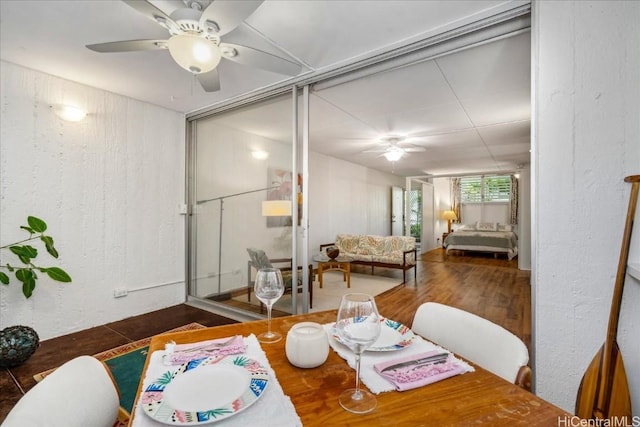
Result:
469,110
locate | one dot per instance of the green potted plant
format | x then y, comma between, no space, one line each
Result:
18,343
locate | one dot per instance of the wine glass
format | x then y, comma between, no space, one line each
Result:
269,287
358,326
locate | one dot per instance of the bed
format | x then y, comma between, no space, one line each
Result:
483,237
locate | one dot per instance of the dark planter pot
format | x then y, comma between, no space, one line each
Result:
17,344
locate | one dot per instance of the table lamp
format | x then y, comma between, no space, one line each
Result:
449,216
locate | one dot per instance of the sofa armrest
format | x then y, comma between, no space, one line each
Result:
405,253
326,245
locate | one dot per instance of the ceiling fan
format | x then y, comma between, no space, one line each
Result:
196,27
394,147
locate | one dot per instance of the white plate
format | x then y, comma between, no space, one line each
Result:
393,336
204,391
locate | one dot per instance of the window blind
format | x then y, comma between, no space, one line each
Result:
497,189
471,189
478,189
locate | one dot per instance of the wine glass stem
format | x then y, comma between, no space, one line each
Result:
356,395
269,319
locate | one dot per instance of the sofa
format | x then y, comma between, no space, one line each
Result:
378,251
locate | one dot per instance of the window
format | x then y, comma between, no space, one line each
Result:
478,189
471,189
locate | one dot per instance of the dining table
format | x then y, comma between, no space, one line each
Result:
474,398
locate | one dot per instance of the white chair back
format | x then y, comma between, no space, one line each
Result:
79,393
472,337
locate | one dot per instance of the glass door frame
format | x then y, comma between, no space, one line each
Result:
299,234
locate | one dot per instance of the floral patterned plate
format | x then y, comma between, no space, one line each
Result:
205,390
393,336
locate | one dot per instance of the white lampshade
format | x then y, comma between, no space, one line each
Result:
69,112
393,154
194,53
276,208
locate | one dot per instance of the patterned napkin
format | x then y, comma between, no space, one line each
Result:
411,375
374,381
177,354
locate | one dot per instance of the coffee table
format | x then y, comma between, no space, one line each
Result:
341,263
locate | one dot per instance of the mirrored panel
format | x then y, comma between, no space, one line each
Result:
244,191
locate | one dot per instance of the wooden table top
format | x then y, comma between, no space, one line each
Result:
478,397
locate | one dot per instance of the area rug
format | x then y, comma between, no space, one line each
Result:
333,288
126,363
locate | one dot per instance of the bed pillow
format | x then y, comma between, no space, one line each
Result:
463,227
486,226
505,227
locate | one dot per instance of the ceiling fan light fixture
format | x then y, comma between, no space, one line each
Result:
194,53
393,155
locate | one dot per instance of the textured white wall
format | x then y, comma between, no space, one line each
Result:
586,140
347,198
109,188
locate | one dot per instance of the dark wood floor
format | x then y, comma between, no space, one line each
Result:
490,287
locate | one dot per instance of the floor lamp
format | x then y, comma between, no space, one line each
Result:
272,206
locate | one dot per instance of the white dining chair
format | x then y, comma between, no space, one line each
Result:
476,339
79,393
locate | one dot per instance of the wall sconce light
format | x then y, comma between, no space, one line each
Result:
260,155
276,208
69,112
449,216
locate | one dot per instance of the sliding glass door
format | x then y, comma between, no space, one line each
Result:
244,172
263,146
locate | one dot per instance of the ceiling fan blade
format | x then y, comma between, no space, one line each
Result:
128,46
414,149
257,58
382,150
227,15
210,81
153,13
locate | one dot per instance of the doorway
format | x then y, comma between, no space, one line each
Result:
397,211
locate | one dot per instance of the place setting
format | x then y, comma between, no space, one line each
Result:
385,354
212,381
